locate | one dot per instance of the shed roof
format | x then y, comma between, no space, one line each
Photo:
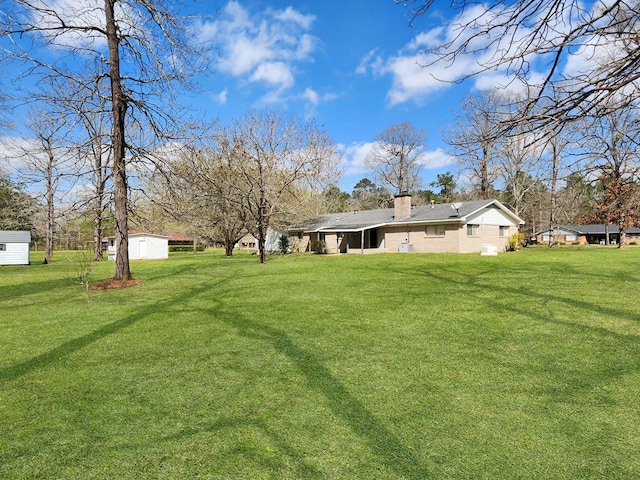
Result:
142,234
15,236
137,234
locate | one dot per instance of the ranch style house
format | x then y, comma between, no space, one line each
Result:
481,226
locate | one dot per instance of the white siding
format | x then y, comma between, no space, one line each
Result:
143,247
15,254
492,216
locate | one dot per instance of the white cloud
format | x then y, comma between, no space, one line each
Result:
221,97
291,15
436,159
417,74
274,73
314,98
370,60
354,156
311,95
264,48
76,16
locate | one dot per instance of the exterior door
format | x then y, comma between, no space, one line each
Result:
143,248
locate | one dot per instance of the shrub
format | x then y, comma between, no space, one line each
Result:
515,242
283,244
81,265
319,246
185,248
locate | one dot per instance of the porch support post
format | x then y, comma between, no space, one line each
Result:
362,242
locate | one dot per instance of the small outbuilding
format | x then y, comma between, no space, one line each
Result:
142,246
14,247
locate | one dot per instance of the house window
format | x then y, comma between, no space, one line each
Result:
3,247
321,236
504,231
434,230
571,237
473,230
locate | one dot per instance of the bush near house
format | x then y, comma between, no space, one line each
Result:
186,248
319,246
284,244
515,242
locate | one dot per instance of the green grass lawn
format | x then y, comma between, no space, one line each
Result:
524,365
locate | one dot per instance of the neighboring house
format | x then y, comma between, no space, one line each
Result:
482,226
142,246
591,233
272,242
180,239
14,247
247,242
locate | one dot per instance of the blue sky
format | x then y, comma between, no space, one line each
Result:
351,65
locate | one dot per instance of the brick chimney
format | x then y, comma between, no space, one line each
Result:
402,205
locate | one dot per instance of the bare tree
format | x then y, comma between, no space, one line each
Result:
472,139
519,167
506,36
201,188
279,160
96,151
576,199
612,160
561,138
396,157
85,105
45,160
17,207
154,41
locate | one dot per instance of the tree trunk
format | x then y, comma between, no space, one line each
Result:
262,232
484,176
554,181
623,239
48,252
622,229
228,247
97,229
262,240
119,109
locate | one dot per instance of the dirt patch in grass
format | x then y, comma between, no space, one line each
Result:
112,284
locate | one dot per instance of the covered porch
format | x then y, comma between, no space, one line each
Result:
360,241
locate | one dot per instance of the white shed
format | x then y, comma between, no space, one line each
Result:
14,247
142,246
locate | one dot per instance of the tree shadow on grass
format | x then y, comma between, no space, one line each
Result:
384,443
252,453
584,380
67,348
31,288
